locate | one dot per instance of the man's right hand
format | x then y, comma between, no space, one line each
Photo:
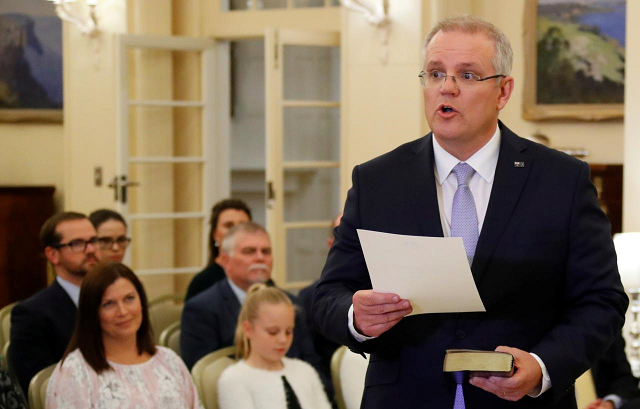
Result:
375,313
600,404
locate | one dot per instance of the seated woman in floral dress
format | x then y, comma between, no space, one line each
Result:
111,361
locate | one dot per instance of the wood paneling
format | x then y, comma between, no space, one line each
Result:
23,210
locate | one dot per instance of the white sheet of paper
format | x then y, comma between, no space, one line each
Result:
432,272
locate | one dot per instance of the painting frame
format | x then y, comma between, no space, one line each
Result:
533,111
29,114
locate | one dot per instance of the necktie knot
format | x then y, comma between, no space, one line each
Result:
463,173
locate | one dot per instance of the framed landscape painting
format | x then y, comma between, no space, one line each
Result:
574,59
30,61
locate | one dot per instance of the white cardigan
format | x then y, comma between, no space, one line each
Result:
244,387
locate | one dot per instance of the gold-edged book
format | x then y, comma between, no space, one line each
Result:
479,363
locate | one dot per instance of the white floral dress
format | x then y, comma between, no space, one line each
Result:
163,382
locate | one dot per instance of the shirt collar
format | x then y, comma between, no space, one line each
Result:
484,161
239,292
71,289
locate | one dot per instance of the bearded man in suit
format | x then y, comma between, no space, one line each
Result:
41,326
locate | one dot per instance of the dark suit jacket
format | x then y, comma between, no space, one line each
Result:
544,266
612,373
209,323
323,346
41,327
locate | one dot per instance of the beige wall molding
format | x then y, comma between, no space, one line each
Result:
378,16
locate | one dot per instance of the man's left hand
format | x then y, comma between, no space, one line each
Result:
526,378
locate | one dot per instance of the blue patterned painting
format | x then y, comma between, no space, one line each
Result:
30,55
580,48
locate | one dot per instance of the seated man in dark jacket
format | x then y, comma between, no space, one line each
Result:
209,319
615,384
41,326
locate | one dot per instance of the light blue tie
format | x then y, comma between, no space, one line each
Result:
464,218
458,403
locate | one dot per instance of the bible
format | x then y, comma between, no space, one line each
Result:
478,363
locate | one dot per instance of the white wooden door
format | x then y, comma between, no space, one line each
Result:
169,174
302,93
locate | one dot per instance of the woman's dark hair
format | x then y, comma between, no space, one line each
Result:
102,215
87,335
218,208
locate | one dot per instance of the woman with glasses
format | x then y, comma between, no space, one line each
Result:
111,360
111,230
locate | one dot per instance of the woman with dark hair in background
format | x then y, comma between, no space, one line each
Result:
111,230
224,215
111,360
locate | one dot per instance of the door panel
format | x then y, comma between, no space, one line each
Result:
303,155
167,146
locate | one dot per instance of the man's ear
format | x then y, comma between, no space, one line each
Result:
224,260
506,88
53,255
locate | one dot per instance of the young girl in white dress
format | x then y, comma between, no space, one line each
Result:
265,378
111,361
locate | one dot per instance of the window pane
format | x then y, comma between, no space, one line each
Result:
306,253
311,72
169,74
248,126
165,131
165,243
311,134
311,194
308,3
272,4
165,187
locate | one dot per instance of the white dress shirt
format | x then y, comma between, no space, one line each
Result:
71,289
239,292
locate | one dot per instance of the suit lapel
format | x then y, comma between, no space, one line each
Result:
231,305
421,184
67,309
507,186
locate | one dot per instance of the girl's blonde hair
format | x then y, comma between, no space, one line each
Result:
257,295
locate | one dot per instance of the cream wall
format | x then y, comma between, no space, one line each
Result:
381,102
89,115
32,154
631,177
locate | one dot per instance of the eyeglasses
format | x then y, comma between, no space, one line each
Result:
435,78
77,245
107,243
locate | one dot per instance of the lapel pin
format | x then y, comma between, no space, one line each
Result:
518,164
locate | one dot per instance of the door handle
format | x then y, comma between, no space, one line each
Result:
124,185
119,186
271,196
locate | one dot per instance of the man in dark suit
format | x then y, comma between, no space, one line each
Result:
41,326
323,346
209,319
542,257
615,384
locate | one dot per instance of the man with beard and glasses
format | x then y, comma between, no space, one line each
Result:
41,326
209,319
